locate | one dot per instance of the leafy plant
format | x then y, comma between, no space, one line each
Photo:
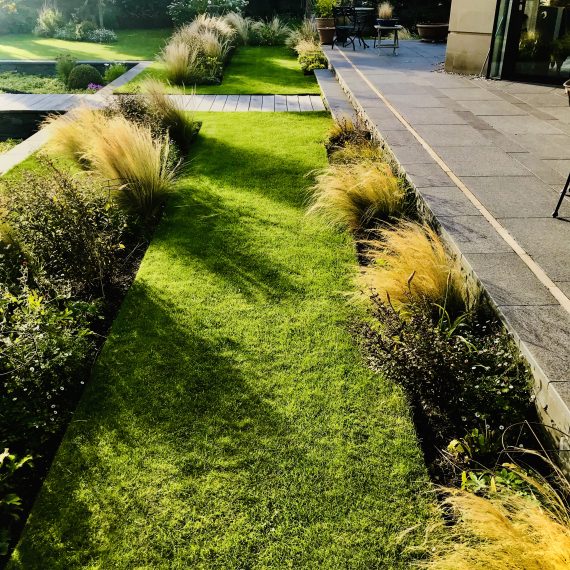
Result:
102,36
10,501
65,63
72,238
410,262
114,71
357,195
49,20
311,60
324,8
470,378
82,75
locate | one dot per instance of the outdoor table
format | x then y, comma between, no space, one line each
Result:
378,40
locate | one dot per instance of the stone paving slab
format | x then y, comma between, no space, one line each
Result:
508,150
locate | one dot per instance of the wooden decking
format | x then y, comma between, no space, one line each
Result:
212,103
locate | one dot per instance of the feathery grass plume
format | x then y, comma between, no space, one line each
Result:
177,57
356,152
127,153
214,46
203,23
303,46
241,26
410,261
180,124
357,195
307,32
272,32
70,135
501,532
345,131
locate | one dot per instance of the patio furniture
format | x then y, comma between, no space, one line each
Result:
349,26
380,30
565,191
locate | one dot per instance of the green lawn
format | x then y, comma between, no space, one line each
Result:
132,44
252,70
230,422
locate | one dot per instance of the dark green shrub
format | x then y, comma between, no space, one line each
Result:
72,238
114,71
462,375
64,65
82,75
311,60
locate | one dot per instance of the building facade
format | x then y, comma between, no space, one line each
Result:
524,40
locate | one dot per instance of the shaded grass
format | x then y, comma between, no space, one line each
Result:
230,421
252,70
132,44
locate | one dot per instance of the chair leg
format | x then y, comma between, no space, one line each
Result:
562,195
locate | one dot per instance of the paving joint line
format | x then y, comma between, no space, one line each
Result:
538,272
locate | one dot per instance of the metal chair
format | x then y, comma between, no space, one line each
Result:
349,27
565,191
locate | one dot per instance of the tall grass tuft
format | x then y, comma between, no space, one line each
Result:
241,26
214,46
501,532
356,195
410,261
356,152
180,124
306,32
203,23
272,32
177,57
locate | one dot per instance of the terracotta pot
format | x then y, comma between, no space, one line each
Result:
567,87
324,23
326,35
433,32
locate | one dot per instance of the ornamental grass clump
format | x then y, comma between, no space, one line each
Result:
500,532
358,195
219,26
241,26
409,261
177,59
127,154
306,32
272,32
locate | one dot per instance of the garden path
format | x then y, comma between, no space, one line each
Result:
489,159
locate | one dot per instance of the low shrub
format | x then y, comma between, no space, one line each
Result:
101,36
409,261
311,60
503,531
272,32
357,195
64,66
114,71
68,32
73,241
82,75
461,374
346,131
48,22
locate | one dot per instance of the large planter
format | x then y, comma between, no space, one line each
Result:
433,32
324,23
326,35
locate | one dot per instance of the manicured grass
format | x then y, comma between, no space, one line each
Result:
230,421
132,44
252,70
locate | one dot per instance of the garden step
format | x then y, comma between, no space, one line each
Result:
335,98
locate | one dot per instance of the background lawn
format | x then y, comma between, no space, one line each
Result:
132,44
230,421
252,70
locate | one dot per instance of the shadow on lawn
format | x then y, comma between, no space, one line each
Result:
167,409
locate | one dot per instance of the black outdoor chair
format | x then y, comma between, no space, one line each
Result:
348,27
565,192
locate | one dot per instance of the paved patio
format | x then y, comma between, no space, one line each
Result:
489,159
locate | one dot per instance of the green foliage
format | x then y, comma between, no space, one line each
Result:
8,144
311,60
470,378
10,501
184,11
14,82
48,22
102,36
114,71
65,63
272,32
82,75
324,8
72,238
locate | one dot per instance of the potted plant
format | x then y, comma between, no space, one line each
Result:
324,20
434,23
385,15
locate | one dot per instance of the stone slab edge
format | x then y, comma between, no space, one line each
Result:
552,409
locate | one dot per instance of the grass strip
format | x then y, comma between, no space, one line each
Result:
230,421
252,70
131,45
